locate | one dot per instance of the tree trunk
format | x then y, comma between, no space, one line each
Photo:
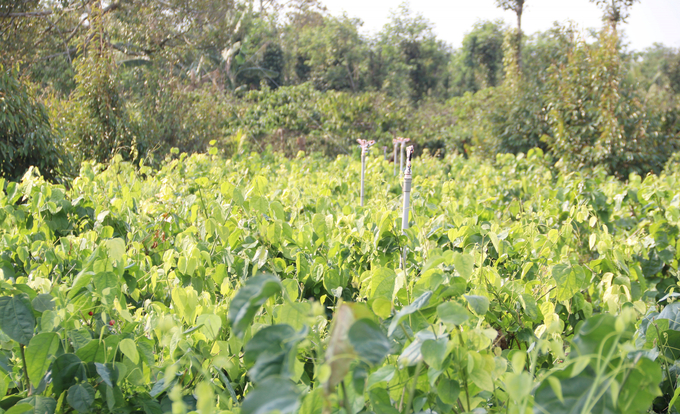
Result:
349,75
519,10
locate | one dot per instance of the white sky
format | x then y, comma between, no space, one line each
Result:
650,20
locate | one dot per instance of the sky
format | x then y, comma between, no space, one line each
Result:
651,21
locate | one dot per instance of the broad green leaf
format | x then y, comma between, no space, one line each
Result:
186,301
66,370
128,347
448,390
453,313
248,300
106,280
369,341
530,306
334,279
574,395
319,225
40,404
482,378
518,385
384,374
272,351
382,307
598,335
672,313
43,302
273,394
479,304
464,263
668,343
434,351
94,351
39,354
412,354
81,397
295,314
312,402
211,325
381,401
82,279
16,318
417,304
205,397
382,284
569,280
108,373
4,384
20,409
115,248
640,388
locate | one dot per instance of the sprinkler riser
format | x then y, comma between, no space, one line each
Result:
401,158
407,201
363,174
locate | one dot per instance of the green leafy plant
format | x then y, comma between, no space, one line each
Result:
255,284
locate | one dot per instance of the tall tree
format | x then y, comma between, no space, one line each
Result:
479,63
416,61
516,6
615,11
335,53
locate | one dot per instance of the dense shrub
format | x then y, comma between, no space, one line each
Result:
94,120
26,137
595,119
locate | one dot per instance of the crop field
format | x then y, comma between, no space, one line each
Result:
259,284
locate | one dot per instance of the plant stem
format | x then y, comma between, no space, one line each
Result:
345,399
401,400
23,359
412,392
205,210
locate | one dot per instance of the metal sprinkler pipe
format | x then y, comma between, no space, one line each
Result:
395,142
401,159
407,200
385,152
365,146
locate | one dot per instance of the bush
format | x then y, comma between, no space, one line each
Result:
95,122
597,120
26,136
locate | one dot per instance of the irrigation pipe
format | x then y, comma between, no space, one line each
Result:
407,200
365,146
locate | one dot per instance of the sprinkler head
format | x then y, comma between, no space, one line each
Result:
365,144
409,158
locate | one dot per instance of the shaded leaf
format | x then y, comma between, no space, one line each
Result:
273,394
369,341
16,318
248,300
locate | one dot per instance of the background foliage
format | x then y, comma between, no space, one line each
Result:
139,79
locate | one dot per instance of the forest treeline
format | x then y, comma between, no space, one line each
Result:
86,79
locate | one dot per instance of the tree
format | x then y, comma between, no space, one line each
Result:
335,53
26,137
596,119
479,63
415,61
615,11
101,124
516,6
